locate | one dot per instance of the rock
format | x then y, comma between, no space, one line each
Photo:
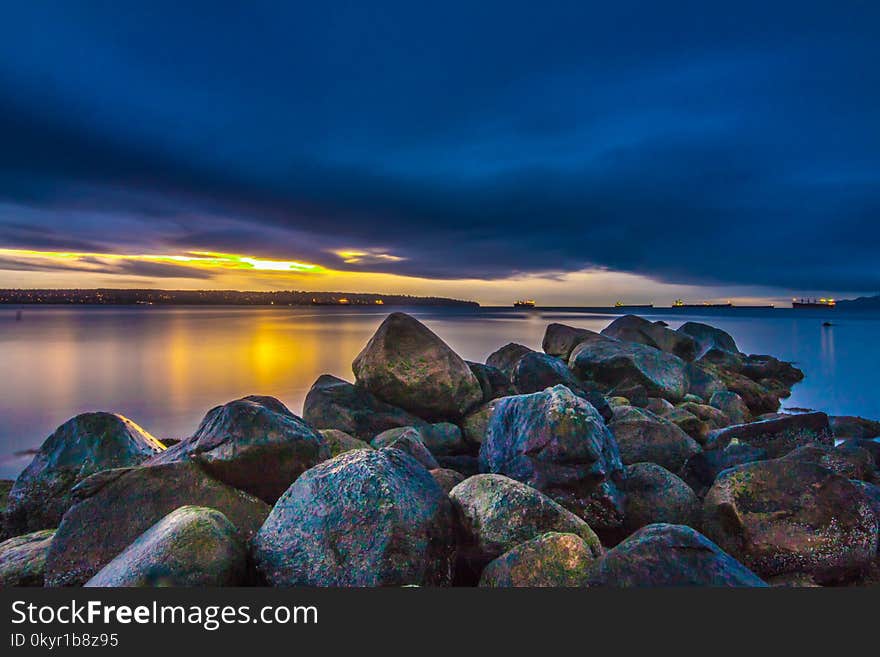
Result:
872,495
631,328
618,364
191,546
713,417
444,439
550,560
702,380
758,399
702,468
848,426
636,395
689,423
364,518
788,516
498,513
709,339
5,487
851,462
653,494
407,440
493,382
506,358
560,340
759,367
558,443
658,406
23,559
336,404
670,555
86,444
117,506
732,405
339,442
616,402
642,436
778,436
447,479
475,424
255,444
407,365
870,446
692,398
535,372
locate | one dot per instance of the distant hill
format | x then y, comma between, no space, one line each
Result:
109,296
862,303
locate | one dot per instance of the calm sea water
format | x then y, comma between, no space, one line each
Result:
164,367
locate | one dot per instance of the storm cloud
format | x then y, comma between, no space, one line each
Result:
684,142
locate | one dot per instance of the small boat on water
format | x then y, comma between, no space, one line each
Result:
813,303
524,303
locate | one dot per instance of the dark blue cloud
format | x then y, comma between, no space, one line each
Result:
684,141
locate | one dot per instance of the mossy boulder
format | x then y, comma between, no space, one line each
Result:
850,426
447,479
665,555
493,382
407,365
505,358
632,328
642,437
692,425
191,546
655,495
702,380
626,364
409,440
255,444
535,372
339,442
851,462
558,443
709,339
114,507
701,469
333,403
80,447
23,559
550,560
498,513
475,424
732,405
364,518
560,340
778,436
789,516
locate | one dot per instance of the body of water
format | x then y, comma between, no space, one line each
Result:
164,367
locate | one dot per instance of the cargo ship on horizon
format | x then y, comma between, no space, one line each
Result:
524,303
804,302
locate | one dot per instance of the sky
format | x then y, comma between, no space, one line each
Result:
572,152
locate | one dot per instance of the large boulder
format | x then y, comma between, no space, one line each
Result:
732,405
643,437
664,555
535,372
23,559
709,339
778,436
83,445
550,560
851,462
560,340
407,440
760,367
558,443
336,404
364,518
703,380
631,328
653,494
191,546
498,513
622,364
493,382
849,426
788,516
255,444
505,358
339,442
759,399
117,506
869,445
475,424
407,365
447,479
702,468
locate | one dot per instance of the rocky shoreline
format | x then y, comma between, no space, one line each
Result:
639,456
